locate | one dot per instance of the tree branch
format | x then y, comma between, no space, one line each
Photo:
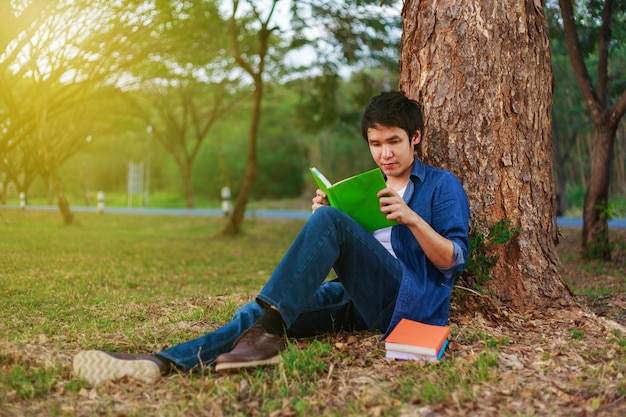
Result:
603,53
618,110
235,43
580,70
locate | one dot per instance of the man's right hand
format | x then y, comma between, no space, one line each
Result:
319,200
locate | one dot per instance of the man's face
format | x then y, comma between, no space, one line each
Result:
392,150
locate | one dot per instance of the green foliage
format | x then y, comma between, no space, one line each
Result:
357,33
304,365
577,334
606,210
495,342
330,103
176,55
572,125
319,106
601,247
618,337
485,364
480,260
28,382
434,383
59,77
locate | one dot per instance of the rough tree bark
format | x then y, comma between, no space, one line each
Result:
483,74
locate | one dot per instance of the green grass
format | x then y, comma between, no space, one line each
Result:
100,275
140,284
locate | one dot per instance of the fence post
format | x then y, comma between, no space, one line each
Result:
226,200
100,202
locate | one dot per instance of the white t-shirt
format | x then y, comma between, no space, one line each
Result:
384,235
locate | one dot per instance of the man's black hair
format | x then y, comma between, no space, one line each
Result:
393,109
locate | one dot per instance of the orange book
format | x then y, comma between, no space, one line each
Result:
413,337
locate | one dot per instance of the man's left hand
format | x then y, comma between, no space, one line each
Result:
394,207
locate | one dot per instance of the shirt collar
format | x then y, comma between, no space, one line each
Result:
419,170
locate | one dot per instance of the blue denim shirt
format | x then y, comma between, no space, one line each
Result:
438,197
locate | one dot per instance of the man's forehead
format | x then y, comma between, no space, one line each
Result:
385,132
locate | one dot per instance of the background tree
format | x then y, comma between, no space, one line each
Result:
605,106
15,20
37,65
481,70
351,32
169,44
569,121
359,38
181,119
60,67
254,26
187,84
329,110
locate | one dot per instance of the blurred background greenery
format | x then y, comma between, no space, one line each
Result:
94,89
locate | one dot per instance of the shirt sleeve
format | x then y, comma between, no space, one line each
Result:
458,265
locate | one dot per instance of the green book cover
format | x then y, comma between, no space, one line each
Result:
356,196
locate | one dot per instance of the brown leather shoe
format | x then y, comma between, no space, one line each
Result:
255,347
95,366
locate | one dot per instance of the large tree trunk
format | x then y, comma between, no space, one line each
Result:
595,216
483,74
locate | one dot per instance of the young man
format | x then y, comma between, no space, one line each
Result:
406,270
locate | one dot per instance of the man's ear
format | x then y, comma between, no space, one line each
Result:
417,137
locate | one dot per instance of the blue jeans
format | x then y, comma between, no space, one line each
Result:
363,296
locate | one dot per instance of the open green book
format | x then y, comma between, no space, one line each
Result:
356,196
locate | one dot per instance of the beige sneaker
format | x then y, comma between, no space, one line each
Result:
96,366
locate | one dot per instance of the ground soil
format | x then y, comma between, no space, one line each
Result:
547,364
551,362
564,362
600,286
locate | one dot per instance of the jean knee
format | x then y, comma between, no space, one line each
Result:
327,214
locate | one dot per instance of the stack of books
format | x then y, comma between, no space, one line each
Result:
411,340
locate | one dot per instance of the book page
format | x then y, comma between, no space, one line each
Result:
319,177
